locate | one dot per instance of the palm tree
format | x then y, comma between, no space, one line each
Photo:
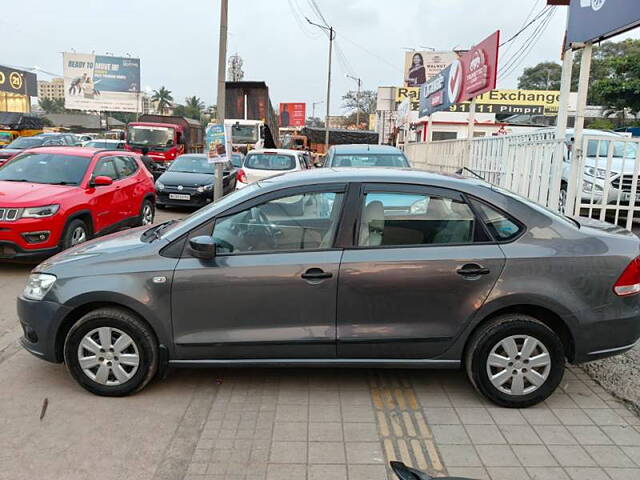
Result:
163,99
194,103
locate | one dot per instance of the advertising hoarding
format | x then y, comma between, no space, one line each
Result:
293,114
419,66
217,142
591,20
473,74
101,83
17,81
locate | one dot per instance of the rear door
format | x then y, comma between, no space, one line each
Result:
129,184
105,198
421,266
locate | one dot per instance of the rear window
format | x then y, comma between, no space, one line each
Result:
370,160
270,161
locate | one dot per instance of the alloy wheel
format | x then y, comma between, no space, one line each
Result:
79,235
518,365
147,214
108,356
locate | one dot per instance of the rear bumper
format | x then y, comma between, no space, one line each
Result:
40,322
607,338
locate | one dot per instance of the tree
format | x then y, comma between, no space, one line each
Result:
52,105
163,98
368,100
601,124
544,76
193,108
619,91
314,122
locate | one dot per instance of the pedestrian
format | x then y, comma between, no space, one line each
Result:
148,161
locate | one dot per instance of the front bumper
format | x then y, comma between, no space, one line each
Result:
40,323
15,253
196,199
14,246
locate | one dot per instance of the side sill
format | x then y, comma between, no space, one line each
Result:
318,362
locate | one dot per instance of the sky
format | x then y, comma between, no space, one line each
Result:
177,42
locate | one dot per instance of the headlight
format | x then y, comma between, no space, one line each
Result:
588,187
38,286
160,186
40,212
204,188
598,172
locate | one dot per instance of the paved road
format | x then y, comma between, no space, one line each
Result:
297,424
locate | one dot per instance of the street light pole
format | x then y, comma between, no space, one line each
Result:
359,82
222,63
326,120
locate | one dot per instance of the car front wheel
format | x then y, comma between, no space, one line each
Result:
111,352
515,361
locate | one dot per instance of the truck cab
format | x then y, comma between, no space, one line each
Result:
246,135
164,140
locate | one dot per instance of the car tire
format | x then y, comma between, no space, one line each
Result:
111,376
562,198
77,232
522,384
147,213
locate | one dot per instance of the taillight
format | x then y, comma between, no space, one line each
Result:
241,176
629,281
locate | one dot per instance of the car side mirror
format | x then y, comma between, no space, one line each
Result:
101,181
203,247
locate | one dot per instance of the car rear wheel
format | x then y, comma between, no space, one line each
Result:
111,352
515,361
76,233
147,213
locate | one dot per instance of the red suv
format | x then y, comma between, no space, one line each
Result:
53,198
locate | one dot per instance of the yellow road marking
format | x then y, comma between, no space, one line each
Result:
389,450
433,455
400,398
408,423
382,424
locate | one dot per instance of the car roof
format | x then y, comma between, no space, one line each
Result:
74,151
365,148
275,150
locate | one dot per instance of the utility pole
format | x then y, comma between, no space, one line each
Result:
359,82
222,63
326,121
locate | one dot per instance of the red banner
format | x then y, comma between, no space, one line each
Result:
293,114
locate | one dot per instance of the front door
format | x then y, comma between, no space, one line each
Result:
270,292
421,267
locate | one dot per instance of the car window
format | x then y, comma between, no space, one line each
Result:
369,160
270,161
126,166
390,218
501,227
106,168
296,222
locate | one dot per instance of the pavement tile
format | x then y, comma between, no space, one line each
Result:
366,472
497,456
466,397
560,400
539,416
356,398
507,416
324,397
633,453
555,435
450,435
520,435
459,456
217,468
433,399
364,452
622,435
441,416
286,472
589,435
294,396
534,456
324,413
605,416
485,434
547,473
361,432
477,473
327,472
587,400
572,416
292,413
288,452
357,413
290,431
327,432
508,473
609,456
572,456
586,473
326,452
474,416
623,473
197,468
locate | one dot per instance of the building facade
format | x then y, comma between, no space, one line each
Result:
53,89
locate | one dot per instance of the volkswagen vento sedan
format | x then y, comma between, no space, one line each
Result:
382,268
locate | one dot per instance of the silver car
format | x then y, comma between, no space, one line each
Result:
379,268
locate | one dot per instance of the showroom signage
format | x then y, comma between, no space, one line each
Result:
596,20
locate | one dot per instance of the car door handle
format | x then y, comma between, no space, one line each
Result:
472,270
316,274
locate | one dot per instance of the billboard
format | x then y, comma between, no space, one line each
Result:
101,83
591,20
217,142
473,74
422,65
293,114
17,81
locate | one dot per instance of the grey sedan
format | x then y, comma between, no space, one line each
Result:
351,267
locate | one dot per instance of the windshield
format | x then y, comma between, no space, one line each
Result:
53,169
145,135
244,133
370,160
600,148
26,142
269,161
191,164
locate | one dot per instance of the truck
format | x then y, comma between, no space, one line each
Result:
312,138
14,125
249,113
165,137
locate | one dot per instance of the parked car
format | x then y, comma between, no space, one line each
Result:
20,144
189,181
105,143
237,159
385,267
365,156
56,197
261,164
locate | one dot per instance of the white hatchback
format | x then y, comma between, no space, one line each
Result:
261,164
